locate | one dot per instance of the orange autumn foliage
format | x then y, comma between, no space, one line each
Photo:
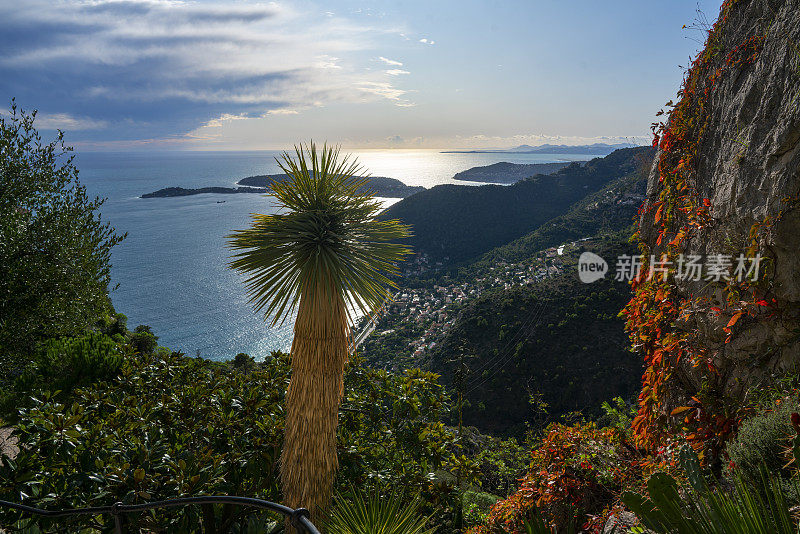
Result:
576,473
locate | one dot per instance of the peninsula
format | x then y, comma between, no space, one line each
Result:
381,186
509,173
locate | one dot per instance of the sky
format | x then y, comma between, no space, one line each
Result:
238,75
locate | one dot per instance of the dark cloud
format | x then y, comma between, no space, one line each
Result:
148,68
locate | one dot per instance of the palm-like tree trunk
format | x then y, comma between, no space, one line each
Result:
319,353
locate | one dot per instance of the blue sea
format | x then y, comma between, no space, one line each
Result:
171,272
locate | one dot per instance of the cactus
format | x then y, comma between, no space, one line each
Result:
696,508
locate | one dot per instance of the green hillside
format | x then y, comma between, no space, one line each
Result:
454,223
611,209
559,341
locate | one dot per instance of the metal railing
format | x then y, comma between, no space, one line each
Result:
299,517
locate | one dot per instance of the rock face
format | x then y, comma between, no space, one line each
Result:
733,141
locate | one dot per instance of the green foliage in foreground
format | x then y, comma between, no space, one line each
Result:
166,425
55,250
696,508
63,364
60,365
763,442
169,426
354,513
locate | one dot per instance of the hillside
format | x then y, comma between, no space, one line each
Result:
559,341
612,209
596,149
455,223
507,173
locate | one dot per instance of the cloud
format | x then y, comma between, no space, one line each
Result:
222,119
162,67
400,141
388,91
66,122
396,72
427,41
390,61
282,112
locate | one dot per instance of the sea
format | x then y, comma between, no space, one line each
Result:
171,272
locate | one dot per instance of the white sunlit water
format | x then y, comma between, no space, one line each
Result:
171,272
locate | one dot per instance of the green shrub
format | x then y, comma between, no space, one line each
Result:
169,426
62,365
619,415
143,340
763,441
476,506
244,361
55,258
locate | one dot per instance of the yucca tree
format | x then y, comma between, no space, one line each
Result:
357,513
323,255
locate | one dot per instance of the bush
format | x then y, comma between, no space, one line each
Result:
500,463
476,506
575,474
170,426
764,441
143,340
56,251
61,365
167,425
390,429
244,361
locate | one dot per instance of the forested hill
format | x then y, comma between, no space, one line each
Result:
508,173
560,341
454,223
612,209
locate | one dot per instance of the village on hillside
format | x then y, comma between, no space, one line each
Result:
418,318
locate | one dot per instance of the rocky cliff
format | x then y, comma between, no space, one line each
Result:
724,188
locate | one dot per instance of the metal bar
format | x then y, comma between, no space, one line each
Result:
300,516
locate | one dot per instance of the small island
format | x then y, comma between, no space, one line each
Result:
184,192
380,185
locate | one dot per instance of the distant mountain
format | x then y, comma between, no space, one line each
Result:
596,149
508,173
452,223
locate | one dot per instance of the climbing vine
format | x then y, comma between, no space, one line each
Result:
657,311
